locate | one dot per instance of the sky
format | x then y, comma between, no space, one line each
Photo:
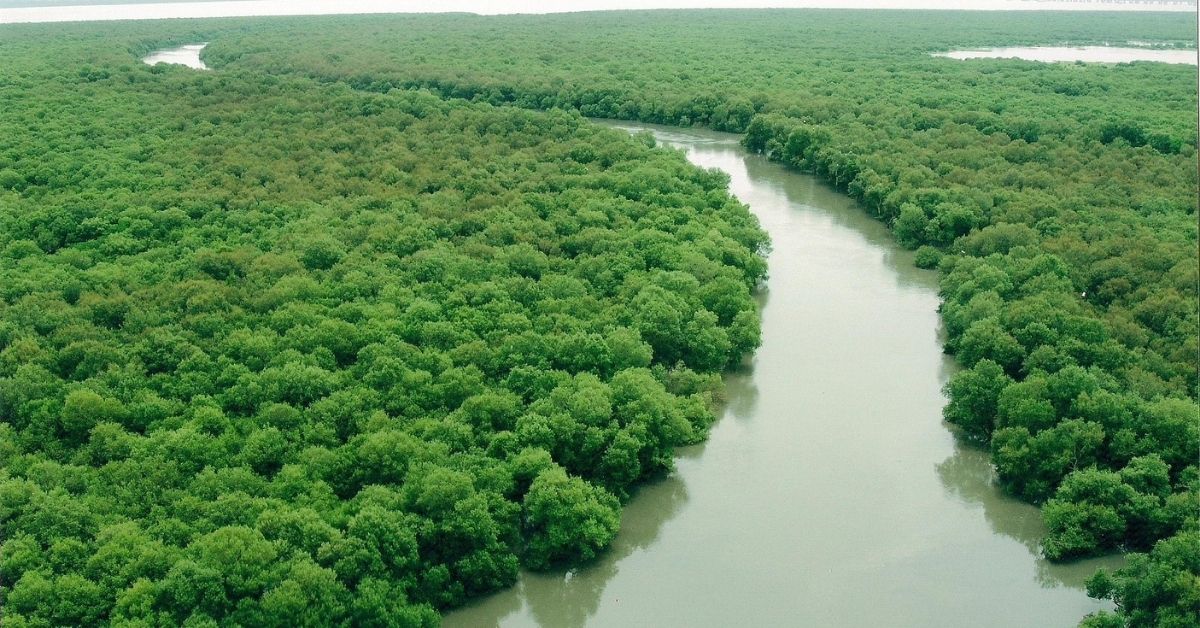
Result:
109,11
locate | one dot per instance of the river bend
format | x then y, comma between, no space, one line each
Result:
829,493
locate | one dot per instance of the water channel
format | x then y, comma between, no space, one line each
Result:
829,493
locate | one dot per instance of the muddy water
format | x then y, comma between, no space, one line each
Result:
829,493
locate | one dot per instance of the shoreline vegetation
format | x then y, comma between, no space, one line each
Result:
1059,202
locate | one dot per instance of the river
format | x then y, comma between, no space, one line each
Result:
829,493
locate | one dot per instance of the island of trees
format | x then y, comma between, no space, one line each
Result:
345,331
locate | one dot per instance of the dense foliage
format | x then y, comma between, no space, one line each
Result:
278,353
1058,200
1159,589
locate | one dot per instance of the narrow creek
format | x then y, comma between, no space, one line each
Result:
829,493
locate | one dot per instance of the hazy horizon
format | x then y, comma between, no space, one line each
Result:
27,11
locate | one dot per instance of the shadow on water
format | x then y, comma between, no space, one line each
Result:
829,493
969,476
810,191
569,599
741,395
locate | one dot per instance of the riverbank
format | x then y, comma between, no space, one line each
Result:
829,479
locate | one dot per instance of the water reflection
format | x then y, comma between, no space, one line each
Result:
969,476
808,190
188,55
830,493
569,599
741,394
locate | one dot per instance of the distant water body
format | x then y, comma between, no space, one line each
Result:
247,8
188,55
1091,54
